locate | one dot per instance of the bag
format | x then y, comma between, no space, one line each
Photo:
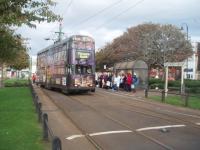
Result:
108,83
132,86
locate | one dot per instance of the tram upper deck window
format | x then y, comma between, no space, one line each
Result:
83,69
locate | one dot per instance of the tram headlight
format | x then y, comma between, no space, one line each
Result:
77,82
90,82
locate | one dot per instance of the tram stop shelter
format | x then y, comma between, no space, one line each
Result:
174,64
137,67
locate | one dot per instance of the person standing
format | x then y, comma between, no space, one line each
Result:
116,82
128,82
33,78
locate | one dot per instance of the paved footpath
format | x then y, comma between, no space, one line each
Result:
61,125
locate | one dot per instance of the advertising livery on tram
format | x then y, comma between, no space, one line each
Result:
68,65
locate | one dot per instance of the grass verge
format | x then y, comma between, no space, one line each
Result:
18,121
193,101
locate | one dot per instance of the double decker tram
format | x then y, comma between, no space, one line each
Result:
68,65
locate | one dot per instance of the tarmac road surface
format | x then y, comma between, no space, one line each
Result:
119,121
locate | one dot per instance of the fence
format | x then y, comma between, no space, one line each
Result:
43,118
182,99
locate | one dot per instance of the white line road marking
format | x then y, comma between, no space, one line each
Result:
97,133
110,132
198,124
160,127
74,136
125,131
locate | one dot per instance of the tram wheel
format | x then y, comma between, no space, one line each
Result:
66,92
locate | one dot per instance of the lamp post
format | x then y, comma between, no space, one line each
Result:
187,40
186,28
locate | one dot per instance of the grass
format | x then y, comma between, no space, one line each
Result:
193,101
19,128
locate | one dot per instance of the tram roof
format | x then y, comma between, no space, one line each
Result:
73,37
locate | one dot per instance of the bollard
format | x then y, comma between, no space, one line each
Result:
33,93
186,99
56,144
163,96
146,93
35,99
39,112
37,107
45,127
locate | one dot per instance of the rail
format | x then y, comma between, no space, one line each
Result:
48,134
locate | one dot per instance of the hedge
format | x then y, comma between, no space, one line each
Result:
192,86
15,83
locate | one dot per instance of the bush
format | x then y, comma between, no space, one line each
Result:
174,83
192,86
15,83
192,83
153,83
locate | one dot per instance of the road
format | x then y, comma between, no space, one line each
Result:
109,120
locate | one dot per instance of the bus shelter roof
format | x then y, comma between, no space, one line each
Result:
131,65
174,64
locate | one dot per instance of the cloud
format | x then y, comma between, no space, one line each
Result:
105,20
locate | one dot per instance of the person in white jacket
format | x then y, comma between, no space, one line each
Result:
116,82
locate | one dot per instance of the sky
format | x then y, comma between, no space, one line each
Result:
105,20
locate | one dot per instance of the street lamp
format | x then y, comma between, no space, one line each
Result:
187,40
186,28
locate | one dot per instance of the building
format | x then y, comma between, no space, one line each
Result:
192,64
191,67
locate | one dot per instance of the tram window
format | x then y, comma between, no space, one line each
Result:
69,70
78,69
83,69
89,70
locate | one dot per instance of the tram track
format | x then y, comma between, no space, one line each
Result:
126,126
153,113
89,138
146,113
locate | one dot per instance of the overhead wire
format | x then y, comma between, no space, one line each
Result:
95,14
67,8
62,15
119,14
100,12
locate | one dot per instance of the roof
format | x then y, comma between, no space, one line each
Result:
174,64
73,37
137,64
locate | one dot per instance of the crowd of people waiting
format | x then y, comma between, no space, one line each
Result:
127,82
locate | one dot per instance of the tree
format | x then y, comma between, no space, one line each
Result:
9,47
21,60
153,43
164,44
9,44
18,12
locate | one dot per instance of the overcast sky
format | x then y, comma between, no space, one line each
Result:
104,20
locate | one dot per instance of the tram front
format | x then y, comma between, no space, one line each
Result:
82,60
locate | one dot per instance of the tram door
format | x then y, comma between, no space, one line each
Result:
68,73
47,85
